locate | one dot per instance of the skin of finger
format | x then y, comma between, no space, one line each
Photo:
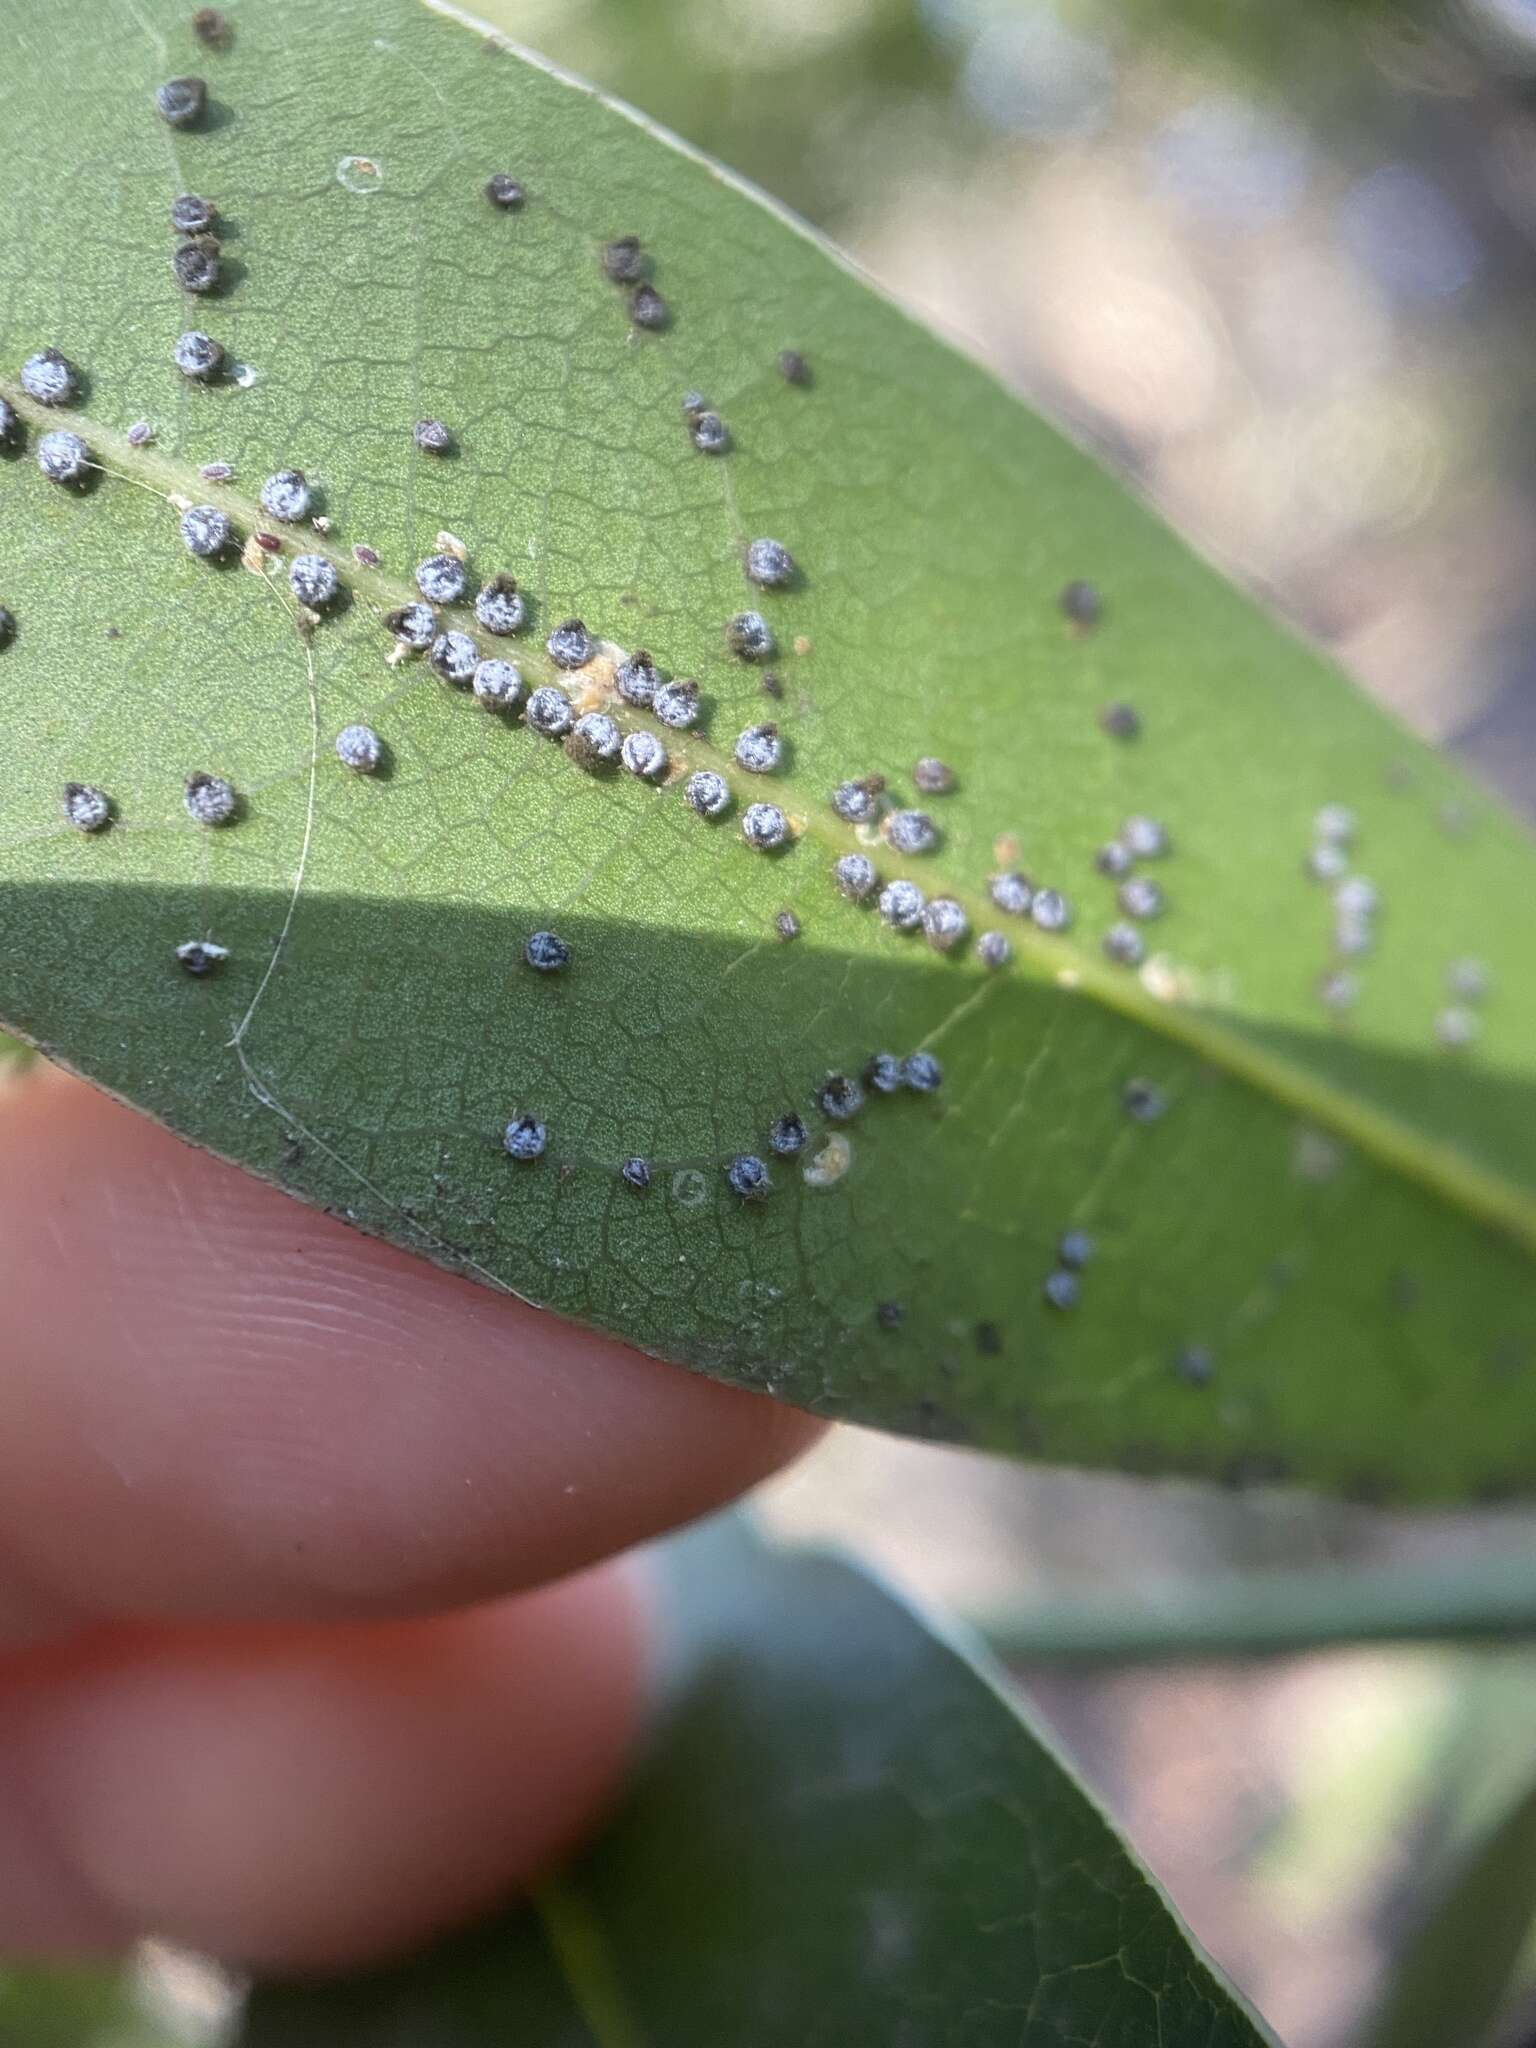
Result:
215,1403
305,1799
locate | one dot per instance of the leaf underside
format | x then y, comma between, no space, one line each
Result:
842,1834
1334,1215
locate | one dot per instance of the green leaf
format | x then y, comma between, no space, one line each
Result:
1461,1963
1337,1212
844,1833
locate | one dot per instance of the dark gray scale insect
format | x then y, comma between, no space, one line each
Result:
1120,721
643,755
647,308
359,748
198,957
787,925
902,905
694,402
206,530
1113,859
858,803
548,952
793,367
764,826
759,749
198,355
497,684
196,264
191,215
769,564
1062,1289
210,27
708,793
414,625
890,1315
709,433
570,645
88,809
209,799
1143,1100
636,679
503,190
1141,898
910,831
63,457
750,636
1012,893
595,740
182,101
287,496
50,378
500,606
1195,1365
1050,910
623,260
10,424
432,437
455,657
1075,1249
314,581
788,1134
441,579
932,776
1123,944
525,1138
636,1173
854,874
994,949
882,1072
945,923
677,703
1146,838
921,1071
748,1177
7,626
1082,604
549,712
840,1097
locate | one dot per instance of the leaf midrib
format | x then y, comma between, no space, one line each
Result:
1442,1169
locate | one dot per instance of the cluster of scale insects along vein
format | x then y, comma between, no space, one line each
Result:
622,713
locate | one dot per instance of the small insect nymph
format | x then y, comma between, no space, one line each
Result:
63,457
764,826
708,432
525,1138
198,355
548,952
314,581
636,1173
624,260
441,579
455,657
209,799
769,564
500,607
182,102
570,645
854,874
287,496
413,625
549,712
647,308
503,190
793,367
432,437
50,378
206,531
88,809
708,793
932,776
497,684
359,748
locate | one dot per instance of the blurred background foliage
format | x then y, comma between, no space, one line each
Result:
1279,264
